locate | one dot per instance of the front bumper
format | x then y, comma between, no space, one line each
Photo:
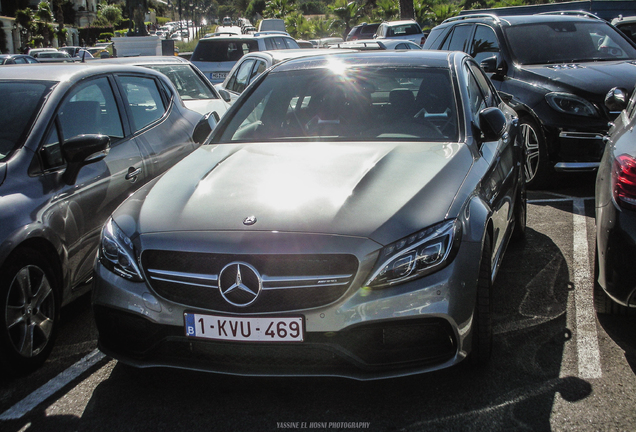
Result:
416,327
576,151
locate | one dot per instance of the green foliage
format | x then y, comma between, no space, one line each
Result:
107,36
162,21
312,8
111,13
44,12
255,7
279,8
100,21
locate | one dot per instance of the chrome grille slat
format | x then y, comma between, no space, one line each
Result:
289,282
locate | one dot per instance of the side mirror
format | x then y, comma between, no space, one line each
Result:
83,150
493,123
225,95
494,65
616,99
205,127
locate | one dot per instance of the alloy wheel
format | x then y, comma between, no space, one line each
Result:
30,311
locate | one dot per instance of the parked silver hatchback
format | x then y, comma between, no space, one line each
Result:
77,140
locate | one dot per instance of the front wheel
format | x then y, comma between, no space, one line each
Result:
537,167
30,310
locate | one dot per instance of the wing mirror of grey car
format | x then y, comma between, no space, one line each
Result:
225,95
205,127
616,99
493,123
83,150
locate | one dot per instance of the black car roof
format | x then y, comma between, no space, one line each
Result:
513,20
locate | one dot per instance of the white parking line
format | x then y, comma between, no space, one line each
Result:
586,334
47,390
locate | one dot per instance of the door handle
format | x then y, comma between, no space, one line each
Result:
133,173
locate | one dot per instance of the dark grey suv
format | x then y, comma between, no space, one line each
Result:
76,140
559,69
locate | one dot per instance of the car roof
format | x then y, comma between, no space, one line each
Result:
145,60
67,71
253,36
396,23
286,54
513,20
425,58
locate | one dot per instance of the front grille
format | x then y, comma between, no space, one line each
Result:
289,282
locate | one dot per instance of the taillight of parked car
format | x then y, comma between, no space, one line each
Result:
422,40
624,181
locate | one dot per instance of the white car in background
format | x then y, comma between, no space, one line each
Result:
407,29
195,90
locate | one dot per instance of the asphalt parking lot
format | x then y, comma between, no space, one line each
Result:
556,364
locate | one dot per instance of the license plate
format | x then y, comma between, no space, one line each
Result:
218,75
245,329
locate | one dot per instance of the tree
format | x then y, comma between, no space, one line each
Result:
111,13
347,13
406,9
278,8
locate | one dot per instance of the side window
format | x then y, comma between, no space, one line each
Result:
490,96
401,46
269,44
457,41
485,43
241,78
144,99
280,43
258,69
20,60
90,108
290,44
51,151
476,101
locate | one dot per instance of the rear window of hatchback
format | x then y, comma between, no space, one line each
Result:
223,50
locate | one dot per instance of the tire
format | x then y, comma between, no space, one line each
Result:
30,305
481,349
603,303
537,165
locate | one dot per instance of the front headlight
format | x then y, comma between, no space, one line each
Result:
117,253
417,255
570,104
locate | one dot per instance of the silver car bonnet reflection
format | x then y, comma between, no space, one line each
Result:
331,188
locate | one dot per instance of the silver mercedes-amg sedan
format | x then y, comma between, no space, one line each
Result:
347,217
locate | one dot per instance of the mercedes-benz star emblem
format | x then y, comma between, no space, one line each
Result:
250,220
240,284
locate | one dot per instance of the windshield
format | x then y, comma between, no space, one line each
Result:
21,102
563,42
189,85
357,104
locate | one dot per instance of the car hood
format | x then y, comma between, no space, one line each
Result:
205,106
586,79
382,191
